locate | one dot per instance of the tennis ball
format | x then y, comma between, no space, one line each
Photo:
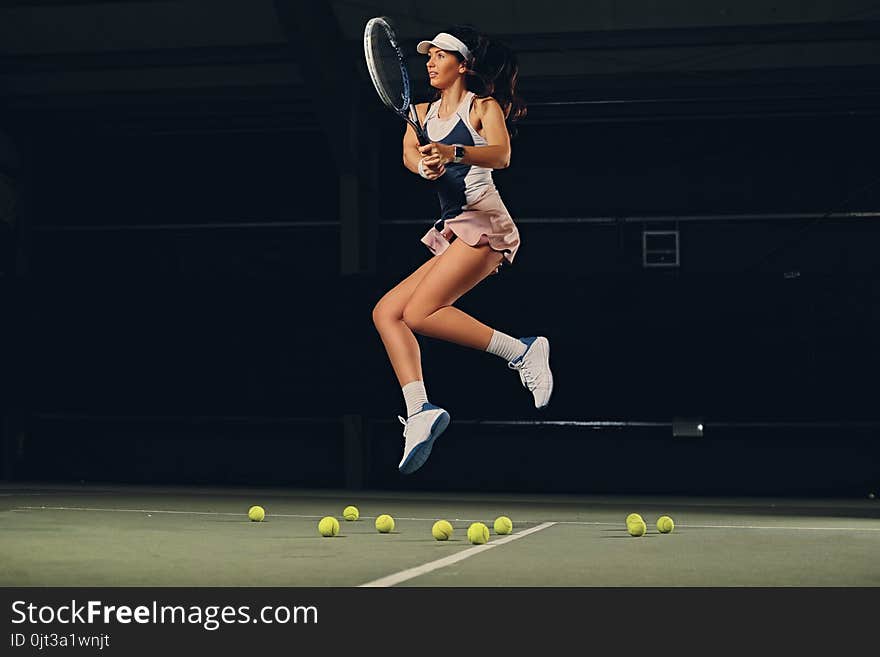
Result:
637,528
633,516
256,513
665,524
329,526
351,513
503,525
385,523
478,533
441,530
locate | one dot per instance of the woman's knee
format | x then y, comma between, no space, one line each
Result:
414,318
385,312
380,314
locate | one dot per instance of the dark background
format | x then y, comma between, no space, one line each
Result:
200,203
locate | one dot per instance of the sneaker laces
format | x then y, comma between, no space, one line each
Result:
528,377
403,422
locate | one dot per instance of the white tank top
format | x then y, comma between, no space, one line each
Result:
462,183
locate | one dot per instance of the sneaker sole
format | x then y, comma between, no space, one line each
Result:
420,453
545,348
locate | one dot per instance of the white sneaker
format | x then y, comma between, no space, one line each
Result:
534,369
420,431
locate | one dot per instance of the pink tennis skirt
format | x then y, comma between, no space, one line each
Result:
485,221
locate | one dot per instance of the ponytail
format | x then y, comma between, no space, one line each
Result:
492,71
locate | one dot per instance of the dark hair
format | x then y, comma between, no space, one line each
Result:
492,71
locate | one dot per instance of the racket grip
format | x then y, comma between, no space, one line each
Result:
423,138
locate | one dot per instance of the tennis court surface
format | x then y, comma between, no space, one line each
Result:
103,535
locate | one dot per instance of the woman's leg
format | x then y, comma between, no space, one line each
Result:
429,309
430,312
425,422
400,343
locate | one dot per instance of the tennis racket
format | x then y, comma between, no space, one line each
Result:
387,68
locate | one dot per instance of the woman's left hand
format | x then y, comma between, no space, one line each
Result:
445,152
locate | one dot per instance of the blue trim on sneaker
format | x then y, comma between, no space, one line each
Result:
427,406
420,453
528,343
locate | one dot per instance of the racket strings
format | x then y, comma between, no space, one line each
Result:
387,69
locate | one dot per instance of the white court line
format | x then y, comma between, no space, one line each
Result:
231,513
798,528
431,566
22,494
689,526
83,508
519,521
234,513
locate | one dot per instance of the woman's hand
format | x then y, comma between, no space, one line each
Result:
433,167
445,152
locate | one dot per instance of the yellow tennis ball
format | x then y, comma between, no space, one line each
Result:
637,528
665,525
441,530
478,533
633,516
256,513
329,526
503,525
351,513
385,523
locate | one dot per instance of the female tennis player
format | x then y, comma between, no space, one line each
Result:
469,123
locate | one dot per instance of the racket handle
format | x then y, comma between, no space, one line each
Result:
424,140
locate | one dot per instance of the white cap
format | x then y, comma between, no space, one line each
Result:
444,41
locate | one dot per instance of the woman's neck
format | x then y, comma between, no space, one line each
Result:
451,98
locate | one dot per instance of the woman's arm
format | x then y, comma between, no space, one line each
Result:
495,155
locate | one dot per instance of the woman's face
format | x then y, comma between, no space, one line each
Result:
443,68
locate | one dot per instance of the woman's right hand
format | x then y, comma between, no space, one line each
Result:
433,167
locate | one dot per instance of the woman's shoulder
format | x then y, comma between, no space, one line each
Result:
481,104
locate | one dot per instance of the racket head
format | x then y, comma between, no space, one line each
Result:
386,64
387,67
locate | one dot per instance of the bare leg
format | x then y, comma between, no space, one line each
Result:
429,310
400,343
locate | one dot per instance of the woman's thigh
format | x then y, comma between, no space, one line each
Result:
393,302
458,270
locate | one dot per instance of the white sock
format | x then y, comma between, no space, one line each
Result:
414,394
505,346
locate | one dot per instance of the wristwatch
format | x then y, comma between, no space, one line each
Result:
459,154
